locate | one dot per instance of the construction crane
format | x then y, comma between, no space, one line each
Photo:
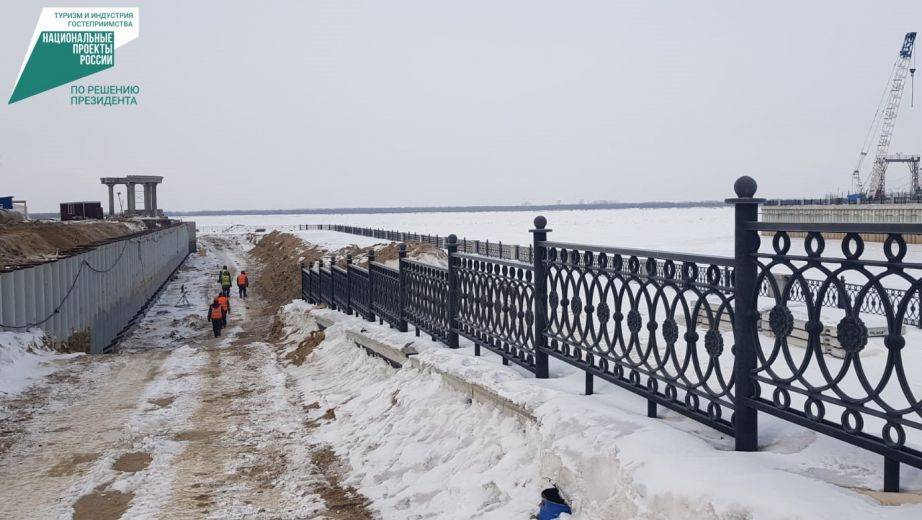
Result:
913,162
884,120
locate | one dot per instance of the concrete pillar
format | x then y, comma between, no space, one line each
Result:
146,198
131,194
153,198
111,199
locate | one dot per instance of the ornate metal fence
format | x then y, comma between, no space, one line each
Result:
359,293
873,303
868,394
341,289
426,297
386,294
661,336
305,284
496,307
326,286
716,339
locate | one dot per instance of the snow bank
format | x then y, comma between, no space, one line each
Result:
24,358
416,448
419,449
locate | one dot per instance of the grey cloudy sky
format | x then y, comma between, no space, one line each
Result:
286,104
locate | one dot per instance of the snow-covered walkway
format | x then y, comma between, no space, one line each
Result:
177,425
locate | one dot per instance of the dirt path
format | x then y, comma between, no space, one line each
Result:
61,446
177,425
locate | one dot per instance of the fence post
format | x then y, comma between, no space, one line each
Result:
402,288
315,282
348,286
454,294
371,287
746,243
332,283
539,235
303,278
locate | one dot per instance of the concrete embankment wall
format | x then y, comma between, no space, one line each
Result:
88,298
850,213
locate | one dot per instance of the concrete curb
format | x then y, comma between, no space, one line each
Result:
400,359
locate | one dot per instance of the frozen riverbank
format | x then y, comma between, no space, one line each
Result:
406,426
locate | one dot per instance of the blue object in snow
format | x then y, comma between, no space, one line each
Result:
552,505
6,202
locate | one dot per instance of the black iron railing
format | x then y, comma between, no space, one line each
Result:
387,294
716,339
866,396
658,334
873,303
341,289
359,290
477,247
426,297
496,306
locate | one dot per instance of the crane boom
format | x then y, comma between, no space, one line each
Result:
877,180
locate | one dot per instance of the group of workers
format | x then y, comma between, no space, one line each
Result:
220,307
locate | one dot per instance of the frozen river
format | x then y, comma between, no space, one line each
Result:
693,230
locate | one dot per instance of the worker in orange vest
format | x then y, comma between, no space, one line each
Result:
216,316
224,302
242,282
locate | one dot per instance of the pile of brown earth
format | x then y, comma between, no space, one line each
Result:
279,254
29,242
388,254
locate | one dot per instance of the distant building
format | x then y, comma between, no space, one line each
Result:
11,204
81,211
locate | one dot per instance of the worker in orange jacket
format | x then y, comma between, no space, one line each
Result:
216,316
224,302
243,281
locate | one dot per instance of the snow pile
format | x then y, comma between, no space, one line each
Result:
24,358
418,448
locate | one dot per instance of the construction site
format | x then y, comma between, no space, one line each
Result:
443,332
886,189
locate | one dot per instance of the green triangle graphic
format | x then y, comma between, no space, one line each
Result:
53,64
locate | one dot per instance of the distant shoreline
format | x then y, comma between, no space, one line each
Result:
436,209
455,209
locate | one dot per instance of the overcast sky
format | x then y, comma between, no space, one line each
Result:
291,104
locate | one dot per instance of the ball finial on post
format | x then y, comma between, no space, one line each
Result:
745,187
540,222
452,239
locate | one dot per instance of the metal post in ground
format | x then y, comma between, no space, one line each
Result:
539,236
402,288
746,312
304,289
371,287
332,283
454,293
348,297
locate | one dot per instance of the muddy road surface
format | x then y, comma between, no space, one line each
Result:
177,424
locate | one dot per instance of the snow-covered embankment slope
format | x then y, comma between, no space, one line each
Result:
419,448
